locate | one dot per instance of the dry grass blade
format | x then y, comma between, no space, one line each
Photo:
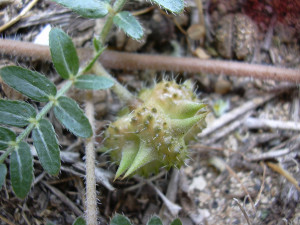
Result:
17,18
64,199
6,220
243,211
262,185
277,168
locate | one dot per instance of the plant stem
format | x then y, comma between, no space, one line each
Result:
131,61
118,5
91,198
120,90
39,116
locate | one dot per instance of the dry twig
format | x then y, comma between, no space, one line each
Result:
132,61
18,17
256,123
234,114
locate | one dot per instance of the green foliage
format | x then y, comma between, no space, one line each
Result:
175,6
86,8
72,117
32,84
21,170
16,113
93,82
20,114
66,62
79,221
6,136
120,220
3,172
176,222
46,145
63,53
128,24
154,220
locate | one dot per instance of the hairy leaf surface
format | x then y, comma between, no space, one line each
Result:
93,82
86,8
72,117
32,84
63,53
46,145
16,113
175,6
129,24
6,135
21,170
3,172
120,220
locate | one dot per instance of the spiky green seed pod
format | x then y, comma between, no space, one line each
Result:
156,133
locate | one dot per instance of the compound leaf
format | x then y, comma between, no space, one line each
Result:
93,82
154,220
21,170
32,84
120,220
63,53
46,145
3,172
129,24
72,117
86,8
6,136
79,221
15,113
176,222
175,6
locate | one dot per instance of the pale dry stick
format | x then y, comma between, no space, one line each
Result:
63,198
256,123
132,61
268,155
226,130
18,17
234,114
173,208
91,197
171,191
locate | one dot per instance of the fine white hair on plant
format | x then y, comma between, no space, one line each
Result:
156,133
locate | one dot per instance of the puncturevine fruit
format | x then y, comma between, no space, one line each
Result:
155,134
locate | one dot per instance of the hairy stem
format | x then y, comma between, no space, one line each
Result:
131,61
39,116
91,198
120,90
118,5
